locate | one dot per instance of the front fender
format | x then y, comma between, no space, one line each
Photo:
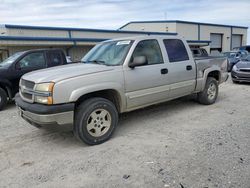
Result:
79,92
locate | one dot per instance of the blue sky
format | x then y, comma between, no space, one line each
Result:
111,14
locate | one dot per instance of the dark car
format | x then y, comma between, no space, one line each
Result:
241,71
247,48
13,68
234,57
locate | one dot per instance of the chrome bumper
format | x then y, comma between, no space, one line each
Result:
63,118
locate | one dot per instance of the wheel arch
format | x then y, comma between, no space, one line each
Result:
213,72
109,94
7,89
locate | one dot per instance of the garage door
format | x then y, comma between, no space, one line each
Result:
216,40
236,41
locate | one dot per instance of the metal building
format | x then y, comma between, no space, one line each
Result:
222,37
74,41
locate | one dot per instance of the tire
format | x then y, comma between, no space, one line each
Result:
3,99
209,94
95,121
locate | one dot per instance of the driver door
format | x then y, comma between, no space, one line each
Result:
147,84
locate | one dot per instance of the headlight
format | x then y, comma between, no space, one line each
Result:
44,92
235,68
43,100
45,87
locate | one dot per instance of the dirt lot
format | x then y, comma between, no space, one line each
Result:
177,144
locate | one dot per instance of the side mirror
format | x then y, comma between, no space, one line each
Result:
138,61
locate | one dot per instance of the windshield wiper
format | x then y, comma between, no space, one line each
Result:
98,62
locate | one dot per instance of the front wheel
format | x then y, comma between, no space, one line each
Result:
210,92
95,121
3,99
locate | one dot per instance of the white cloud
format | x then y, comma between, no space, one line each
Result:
111,14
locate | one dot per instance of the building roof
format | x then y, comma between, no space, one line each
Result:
84,29
184,22
83,39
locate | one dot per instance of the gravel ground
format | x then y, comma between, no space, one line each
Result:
178,144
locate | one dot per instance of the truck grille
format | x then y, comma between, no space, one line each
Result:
26,88
245,70
27,84
27,96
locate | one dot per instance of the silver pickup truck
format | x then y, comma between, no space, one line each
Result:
117,76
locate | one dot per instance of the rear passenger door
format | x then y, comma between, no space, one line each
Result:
54,58
146,84
182,68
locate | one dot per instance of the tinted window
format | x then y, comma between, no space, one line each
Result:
55,59
248,48
176,50
33,60
150,49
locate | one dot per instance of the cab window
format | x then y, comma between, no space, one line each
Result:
176,50
54,59
150,49
33,60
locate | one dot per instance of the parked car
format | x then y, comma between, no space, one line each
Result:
247,48
14,67
117,76
241,71
234,57
199,52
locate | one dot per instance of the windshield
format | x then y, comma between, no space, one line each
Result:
108,53
7,62
247,58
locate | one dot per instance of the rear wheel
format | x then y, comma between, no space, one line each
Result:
210,92
3,99
95,121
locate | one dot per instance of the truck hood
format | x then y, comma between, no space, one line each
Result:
243,65
59,73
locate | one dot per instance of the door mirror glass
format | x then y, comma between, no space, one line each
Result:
138,61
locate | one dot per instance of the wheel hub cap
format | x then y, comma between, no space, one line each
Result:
211,92
99,122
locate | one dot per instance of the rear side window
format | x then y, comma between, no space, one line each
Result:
176,50
150,49
55,59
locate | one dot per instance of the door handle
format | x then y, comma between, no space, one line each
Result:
164,71
189,67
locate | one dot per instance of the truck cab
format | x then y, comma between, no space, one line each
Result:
20,63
